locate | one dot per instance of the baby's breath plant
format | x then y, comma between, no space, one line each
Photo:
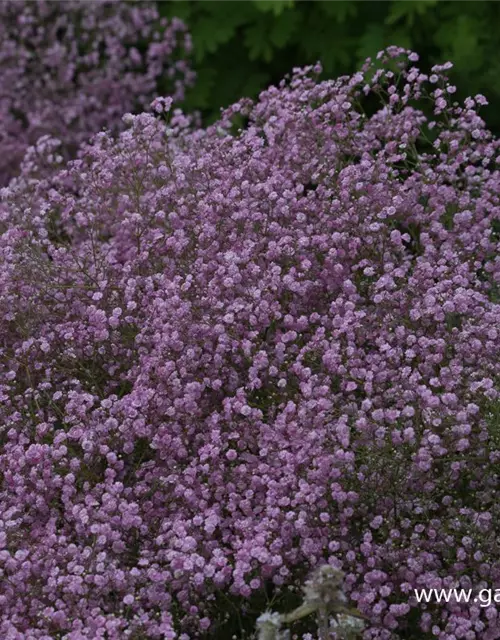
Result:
231,355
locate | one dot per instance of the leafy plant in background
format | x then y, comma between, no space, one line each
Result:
241,47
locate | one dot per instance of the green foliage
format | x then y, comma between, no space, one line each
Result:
274,6
408,11
242,47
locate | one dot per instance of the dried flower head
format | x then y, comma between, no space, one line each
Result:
324,588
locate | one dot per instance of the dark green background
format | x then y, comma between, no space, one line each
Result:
242,47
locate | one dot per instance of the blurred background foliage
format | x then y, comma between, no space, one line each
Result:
242,47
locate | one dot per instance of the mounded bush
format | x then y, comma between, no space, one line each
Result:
229,355
69,69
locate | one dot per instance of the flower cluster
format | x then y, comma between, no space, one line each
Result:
229,356
69,69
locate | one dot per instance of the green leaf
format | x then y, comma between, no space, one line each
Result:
401,38
258,42
182,10
340,10
283,30
326,41
370,43
407,10
201,95
209,35
273,6
460,40
254,83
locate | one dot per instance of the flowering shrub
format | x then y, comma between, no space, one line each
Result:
229,356
69,69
